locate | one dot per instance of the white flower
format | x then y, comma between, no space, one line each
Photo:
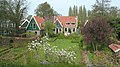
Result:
40,41
33,41
36,40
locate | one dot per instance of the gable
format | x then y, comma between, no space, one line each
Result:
24,25
33,25
58,24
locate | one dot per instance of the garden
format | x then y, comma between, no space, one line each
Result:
53,52
44,51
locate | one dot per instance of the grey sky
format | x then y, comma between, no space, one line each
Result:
62,6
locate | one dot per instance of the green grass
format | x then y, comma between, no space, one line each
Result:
67,44
29,58
63,43
2,64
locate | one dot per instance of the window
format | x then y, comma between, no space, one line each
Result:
34,26
65,29
4,25
12,25
73,29
73,23
31,25
67,23
59,29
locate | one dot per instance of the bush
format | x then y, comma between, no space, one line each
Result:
71,36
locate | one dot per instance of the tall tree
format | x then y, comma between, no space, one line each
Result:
74,10
84,14
80,16
45,9
113,12
3,10
70,11
101,7
89,14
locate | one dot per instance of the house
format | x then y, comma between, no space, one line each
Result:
116,49
65,24
33,24
7,27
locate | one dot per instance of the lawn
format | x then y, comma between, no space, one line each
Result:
63,43
67,44
31,58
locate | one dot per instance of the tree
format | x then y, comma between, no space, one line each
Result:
113,12
116,26
101,7
76,11
49,27
3,11
97,32
74,8
15,10
70,11
45,9
80,14
89,14
84,14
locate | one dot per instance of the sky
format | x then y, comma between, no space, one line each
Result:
62,6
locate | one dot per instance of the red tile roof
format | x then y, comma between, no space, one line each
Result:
115,47
66,19
39,20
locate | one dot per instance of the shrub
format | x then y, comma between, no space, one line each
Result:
97,32
71,36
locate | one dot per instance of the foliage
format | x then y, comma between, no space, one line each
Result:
97,32
60,55
116,26
29,34
14,11
114,12
104,58
70,11
73,11
71,36
45,9
49,26
101,7
81,12
84,14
